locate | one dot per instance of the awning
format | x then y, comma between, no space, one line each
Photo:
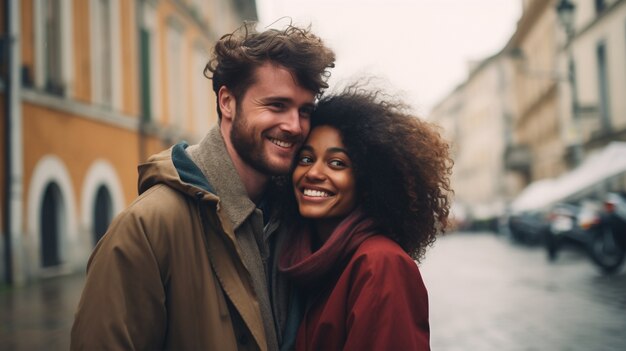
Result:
609,162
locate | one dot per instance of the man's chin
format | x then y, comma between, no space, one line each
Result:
279,165
275,168
279,171
279,168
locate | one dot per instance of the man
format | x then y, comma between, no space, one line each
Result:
189,264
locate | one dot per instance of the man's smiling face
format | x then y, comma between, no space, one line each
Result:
271,120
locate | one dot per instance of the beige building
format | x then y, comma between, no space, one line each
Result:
597,49
538,150
475,118
522,117
93,87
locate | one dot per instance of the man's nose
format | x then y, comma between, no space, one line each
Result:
292,123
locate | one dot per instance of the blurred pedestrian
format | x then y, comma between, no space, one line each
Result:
371,185
188,266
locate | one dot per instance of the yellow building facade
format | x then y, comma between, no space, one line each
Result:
97,86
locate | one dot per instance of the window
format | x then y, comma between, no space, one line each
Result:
197,8
52,47
600,6
105,52
176,74
603,87
102,52
54,62
201,92
150,65
51,224
102,213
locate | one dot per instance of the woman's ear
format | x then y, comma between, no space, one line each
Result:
227,102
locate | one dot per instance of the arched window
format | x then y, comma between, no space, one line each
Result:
102,213
51,223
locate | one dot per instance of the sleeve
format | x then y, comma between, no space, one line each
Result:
388,305
122,306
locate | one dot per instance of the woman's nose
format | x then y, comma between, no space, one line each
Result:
315,172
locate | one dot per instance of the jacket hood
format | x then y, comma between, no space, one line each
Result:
174,168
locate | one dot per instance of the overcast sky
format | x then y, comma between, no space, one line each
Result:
419,47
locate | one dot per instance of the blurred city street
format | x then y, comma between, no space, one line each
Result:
485,294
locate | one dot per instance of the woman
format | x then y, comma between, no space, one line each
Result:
371,185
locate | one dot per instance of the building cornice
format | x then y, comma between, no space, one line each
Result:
190,15
81,109
597,19
526,22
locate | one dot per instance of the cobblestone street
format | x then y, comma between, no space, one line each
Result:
485,294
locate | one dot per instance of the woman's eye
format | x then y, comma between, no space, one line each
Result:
305,160
337,163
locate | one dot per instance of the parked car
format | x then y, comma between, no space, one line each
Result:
528,227
570,225
599,228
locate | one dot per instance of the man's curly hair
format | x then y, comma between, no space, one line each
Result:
401,164
237,55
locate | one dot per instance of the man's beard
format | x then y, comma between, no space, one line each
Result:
250,147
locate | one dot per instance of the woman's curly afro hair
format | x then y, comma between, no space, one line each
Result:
401,164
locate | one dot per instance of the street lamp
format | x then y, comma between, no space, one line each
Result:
566,10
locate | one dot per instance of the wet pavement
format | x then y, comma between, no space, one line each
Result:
485,294
39,316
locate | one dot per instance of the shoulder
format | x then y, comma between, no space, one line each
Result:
380,248
380,269
157,204
381,257
160,211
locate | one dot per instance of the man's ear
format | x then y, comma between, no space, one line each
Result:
227,102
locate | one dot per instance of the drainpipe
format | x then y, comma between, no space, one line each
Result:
141,76
13,148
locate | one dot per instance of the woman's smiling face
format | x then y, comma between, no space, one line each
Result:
323,179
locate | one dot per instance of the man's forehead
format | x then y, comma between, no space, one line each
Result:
277,82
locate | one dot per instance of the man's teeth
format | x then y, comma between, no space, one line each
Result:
315,193
281,143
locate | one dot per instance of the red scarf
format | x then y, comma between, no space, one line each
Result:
311,269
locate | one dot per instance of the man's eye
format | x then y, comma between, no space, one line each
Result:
306,111
277,105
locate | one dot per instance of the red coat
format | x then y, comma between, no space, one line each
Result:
378,303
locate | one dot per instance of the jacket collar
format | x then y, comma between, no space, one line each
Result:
211,156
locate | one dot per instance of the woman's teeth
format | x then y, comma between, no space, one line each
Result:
315,193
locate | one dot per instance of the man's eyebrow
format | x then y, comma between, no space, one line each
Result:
268,99
276,98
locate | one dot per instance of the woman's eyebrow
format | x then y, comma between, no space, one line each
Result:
337,149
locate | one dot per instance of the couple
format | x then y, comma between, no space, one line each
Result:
291,225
